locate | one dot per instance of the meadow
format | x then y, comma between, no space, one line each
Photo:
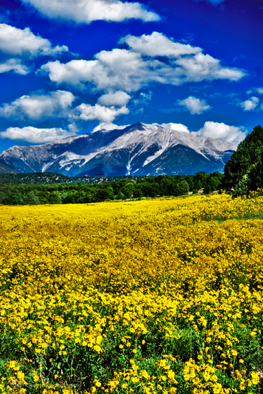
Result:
152,296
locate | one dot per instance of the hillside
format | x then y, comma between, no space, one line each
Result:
6,170
54,178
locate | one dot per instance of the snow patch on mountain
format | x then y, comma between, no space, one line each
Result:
165,145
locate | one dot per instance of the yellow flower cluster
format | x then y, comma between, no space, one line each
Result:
139,380
158,296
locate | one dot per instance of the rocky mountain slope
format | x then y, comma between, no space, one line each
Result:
6,170
139,149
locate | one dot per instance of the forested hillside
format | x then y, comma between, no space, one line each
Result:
58,189
52,177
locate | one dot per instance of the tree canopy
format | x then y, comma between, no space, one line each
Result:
14,192
244,171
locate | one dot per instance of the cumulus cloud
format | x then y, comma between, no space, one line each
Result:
74,73
39,106
250,104
157,44
18,42
87,11
98,112
58,104
118,99
222,131
204,67
194,105
114,70
175,126
108,127
14,65
140,65
35,135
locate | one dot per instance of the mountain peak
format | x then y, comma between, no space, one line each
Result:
141,128
139,125
136,126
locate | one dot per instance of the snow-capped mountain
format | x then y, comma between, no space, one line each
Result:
139,149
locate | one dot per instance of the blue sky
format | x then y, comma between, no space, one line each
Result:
71,67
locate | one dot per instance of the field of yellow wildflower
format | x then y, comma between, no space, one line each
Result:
159,296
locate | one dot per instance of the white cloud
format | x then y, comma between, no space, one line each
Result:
250,104
35,135
39,106
14,65
74,73
129,70
87,11
118,69
220,131
99,112
223,132
204,67
157,44
108,127
175,126
18,42
257,90
58,104
194,105
118,98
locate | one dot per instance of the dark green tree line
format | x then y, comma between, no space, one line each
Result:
126,188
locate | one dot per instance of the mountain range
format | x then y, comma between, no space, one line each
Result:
139,149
